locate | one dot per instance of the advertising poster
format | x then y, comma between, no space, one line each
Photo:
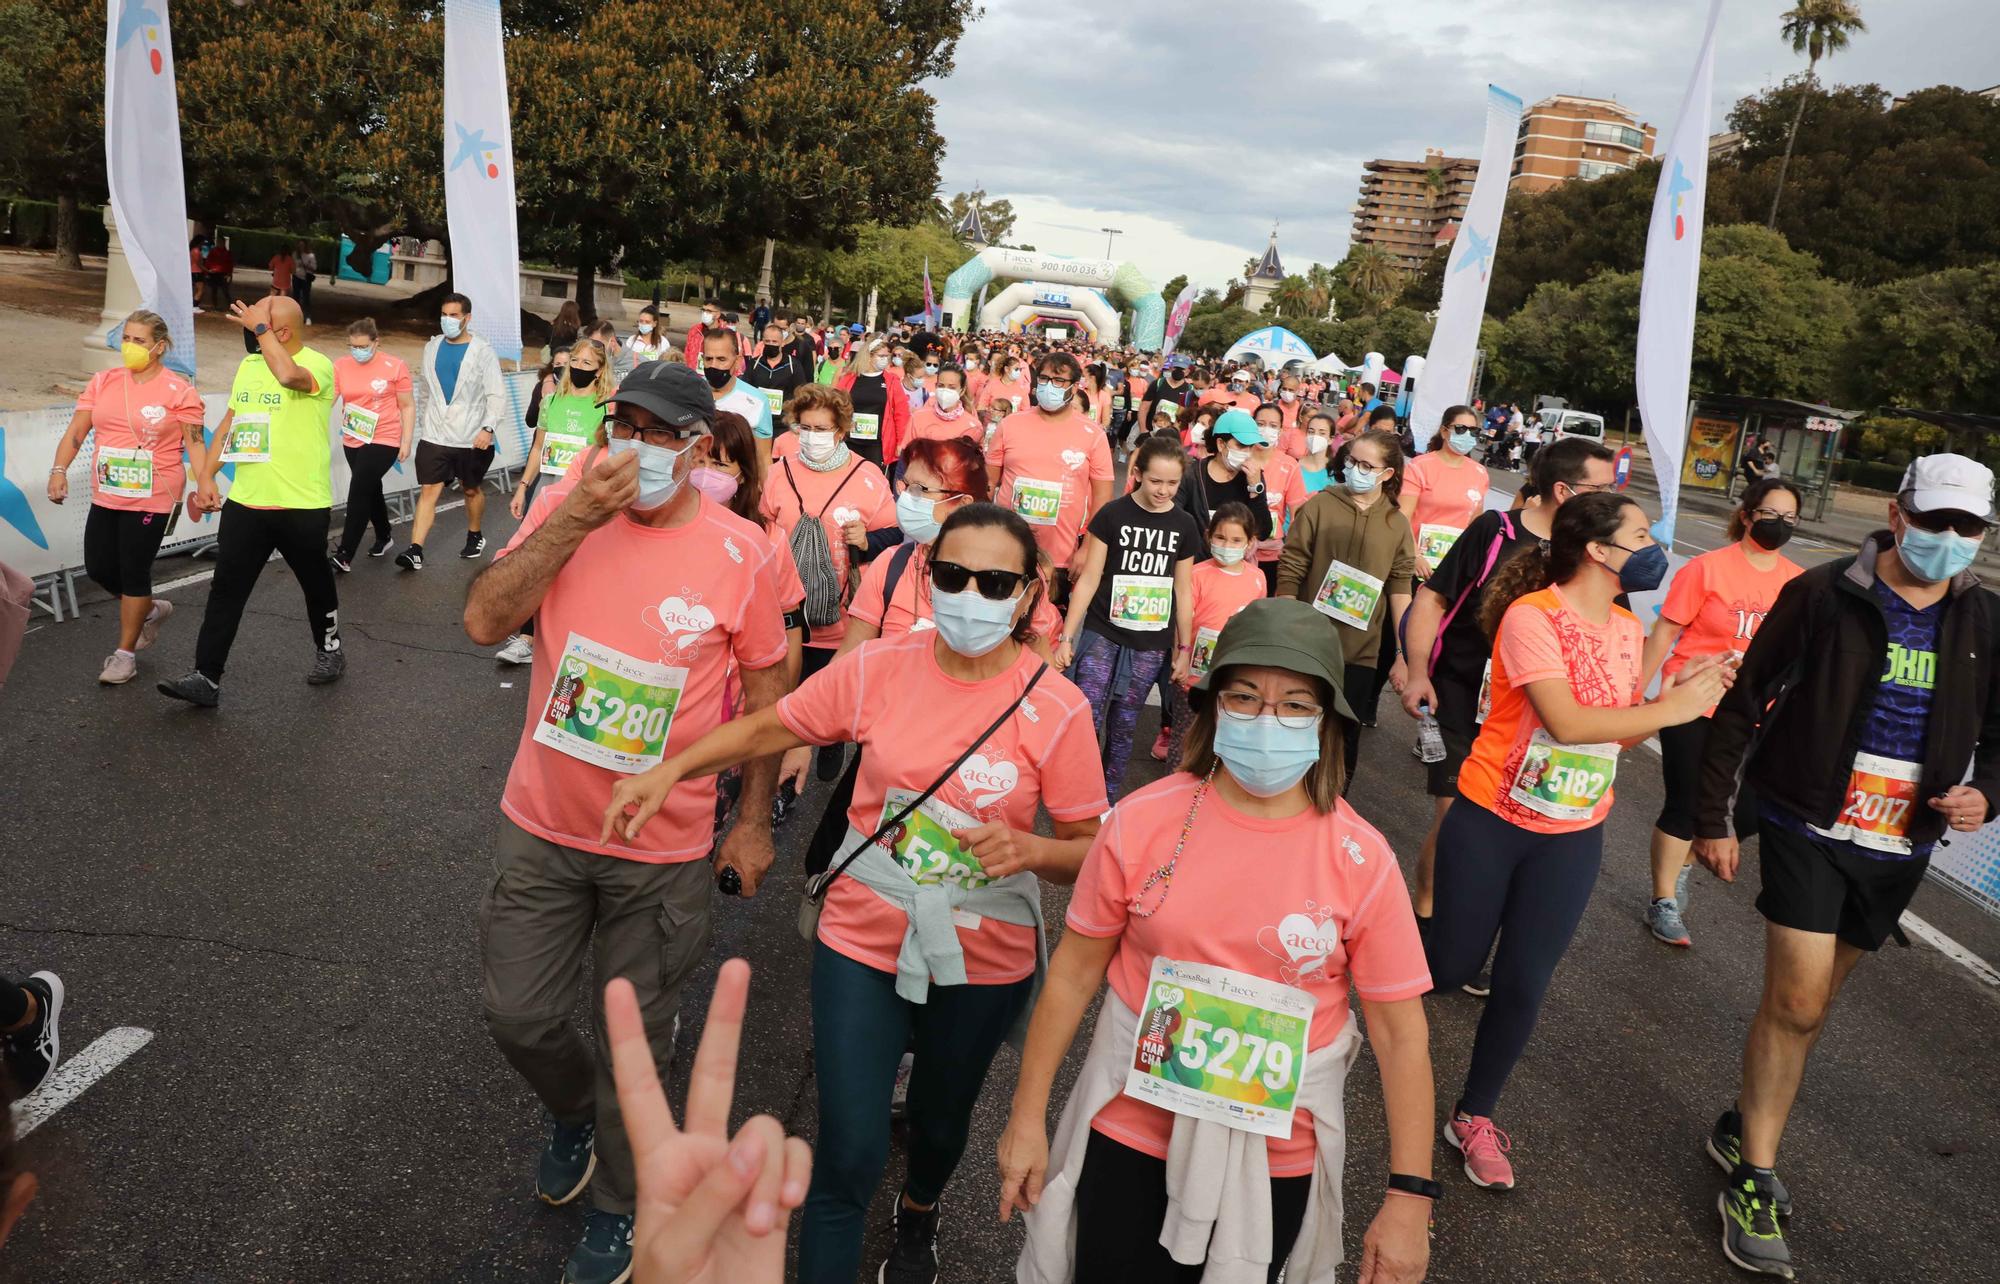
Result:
1711,452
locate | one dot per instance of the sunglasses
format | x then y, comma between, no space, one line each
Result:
1963,524
994,586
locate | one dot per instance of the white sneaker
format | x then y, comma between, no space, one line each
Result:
149,632
520,649
119,667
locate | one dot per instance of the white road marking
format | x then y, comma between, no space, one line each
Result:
77,1073
1951,949
199,577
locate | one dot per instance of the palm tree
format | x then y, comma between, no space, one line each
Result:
1373,274
1292,297
1319,280
1818,29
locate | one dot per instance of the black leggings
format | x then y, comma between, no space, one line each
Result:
119,545
245,539
366,467
1531,889
1121,1200
1357,683
1680,771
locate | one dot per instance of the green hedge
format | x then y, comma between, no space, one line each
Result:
32,225
1870,474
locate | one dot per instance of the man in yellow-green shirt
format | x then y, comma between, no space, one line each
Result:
281,496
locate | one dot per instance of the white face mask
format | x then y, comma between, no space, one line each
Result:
947,399
816,445
708,318
971,624
1315,443
1235,458
881,363
657,464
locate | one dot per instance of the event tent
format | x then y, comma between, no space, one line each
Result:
1273,345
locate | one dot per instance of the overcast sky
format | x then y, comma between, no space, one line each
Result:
1194,125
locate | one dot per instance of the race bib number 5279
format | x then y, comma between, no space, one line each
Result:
1222,1045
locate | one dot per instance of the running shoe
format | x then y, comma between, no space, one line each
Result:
1480,986
1485,1149
1160,745
327,667
1751,1236
899,1093
520,649
1725,1147
411,558
149,632
475,544
567,1162
194,688
604,1256
913,1257
341,562
30,1053
119,668
1664,918
381,547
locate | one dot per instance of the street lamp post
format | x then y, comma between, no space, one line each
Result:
1110,234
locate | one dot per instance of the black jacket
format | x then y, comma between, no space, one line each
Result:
1809,678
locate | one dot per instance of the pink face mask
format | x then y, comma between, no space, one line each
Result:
719,486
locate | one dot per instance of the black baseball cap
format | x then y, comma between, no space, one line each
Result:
670,390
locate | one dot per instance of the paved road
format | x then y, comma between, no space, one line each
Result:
284,893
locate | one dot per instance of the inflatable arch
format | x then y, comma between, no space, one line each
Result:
1149,311
1026,301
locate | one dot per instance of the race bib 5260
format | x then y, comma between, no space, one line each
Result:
1142,603
609,709
1221,1045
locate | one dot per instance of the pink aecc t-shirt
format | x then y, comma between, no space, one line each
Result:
149,417
1047,464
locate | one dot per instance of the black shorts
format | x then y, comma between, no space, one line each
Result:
1456,708
465,465
119,545
1814,886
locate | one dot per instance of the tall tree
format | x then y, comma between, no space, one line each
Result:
1371,273
1818,29
57,148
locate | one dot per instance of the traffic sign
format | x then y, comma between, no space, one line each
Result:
1622,469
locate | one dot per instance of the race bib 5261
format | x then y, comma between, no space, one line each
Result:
1348,595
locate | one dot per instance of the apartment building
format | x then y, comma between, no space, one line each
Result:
1408,207
1566,136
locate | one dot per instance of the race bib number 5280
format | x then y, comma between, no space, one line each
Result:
608,708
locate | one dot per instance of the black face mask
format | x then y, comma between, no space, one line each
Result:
582,378
1771,534
717,379
250,342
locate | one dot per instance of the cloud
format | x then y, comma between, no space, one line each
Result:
1195,126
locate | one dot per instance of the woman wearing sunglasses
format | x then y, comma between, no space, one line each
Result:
933,933
1714,607
1231,907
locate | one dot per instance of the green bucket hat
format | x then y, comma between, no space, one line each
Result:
1283,633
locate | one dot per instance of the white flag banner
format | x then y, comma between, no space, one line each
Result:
1667,290
1454,347
142,167
479,173
1177,319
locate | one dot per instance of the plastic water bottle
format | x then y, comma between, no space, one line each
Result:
1430,741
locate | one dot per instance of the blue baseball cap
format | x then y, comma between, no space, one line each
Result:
1238,424
857,328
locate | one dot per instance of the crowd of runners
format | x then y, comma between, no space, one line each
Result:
945,574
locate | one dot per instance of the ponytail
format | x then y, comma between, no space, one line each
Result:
1579,523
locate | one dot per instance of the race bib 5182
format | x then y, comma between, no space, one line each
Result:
1563,782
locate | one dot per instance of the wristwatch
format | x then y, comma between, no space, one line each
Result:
1420,1186
261,330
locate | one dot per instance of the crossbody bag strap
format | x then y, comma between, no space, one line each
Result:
836,490
817,886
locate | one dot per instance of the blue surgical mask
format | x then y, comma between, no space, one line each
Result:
657,483
1935,556
1644,569
1050,397
1359,480
1226,555
1463,442
970,624
917,516
1264,755
451,326
363,355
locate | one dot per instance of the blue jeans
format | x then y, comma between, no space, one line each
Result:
860,1028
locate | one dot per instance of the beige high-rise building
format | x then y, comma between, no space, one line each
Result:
1565,137
1407,206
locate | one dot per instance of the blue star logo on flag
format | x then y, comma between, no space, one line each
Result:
134,17
1478,249
474,146
1678,186
14,507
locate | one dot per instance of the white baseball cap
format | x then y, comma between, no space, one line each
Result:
1953,483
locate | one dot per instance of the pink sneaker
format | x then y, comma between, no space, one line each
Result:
1160,745
1485,1149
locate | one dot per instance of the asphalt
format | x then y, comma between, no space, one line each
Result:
283,891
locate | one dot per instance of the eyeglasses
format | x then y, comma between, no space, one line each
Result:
1773,515
1247,706
625,430
1056,382
931,493
994,585
1958,523
1591,488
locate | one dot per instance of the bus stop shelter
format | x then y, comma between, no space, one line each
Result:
1806,434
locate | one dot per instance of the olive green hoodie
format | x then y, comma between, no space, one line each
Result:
1376,541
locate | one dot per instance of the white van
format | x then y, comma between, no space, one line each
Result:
1558,424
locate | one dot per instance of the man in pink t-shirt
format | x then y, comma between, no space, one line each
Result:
1052,465
646,595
